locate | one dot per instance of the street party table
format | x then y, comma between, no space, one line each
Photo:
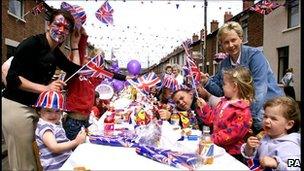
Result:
102,157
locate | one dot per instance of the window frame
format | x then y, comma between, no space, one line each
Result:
282,58
13,13
293,5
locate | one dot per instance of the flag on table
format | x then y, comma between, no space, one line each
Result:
184,161
38,9
77,12
265,7
94,68
145,82
254,165
104,13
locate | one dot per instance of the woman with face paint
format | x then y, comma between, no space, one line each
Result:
30,73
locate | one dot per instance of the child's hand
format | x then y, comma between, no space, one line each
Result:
203,93
252,143
81,137
164,114
201,102
267,161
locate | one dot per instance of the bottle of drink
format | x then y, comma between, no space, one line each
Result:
206,147
109,125
193,120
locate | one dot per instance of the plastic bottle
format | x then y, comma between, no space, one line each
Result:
206,147
109,125
193,120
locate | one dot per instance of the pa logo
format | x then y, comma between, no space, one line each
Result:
293,162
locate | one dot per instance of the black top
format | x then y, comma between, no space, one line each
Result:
34,61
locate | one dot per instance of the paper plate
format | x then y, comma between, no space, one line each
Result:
122,103
105,91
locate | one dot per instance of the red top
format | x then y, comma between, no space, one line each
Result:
81,91
231,121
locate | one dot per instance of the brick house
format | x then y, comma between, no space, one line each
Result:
281,43
252,24
16,26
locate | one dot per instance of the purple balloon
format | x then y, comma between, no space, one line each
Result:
115,65
118,85
116,70
134,67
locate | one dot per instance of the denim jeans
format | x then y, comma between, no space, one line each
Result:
73,126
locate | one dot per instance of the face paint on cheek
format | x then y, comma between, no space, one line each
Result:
58,30
56,35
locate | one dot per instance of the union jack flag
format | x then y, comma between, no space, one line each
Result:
77,12
172,158
254,165
104,13
38,9
50,100
146,81
193,69
265,7
170,82
94,68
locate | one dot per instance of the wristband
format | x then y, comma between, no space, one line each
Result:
74,49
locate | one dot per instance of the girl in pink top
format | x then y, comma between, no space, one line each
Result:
231,117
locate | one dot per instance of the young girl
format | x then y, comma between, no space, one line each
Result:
54,147
231,117
281,141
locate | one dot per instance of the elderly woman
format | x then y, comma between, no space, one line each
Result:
177,74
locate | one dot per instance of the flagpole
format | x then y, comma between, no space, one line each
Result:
80,69
205,35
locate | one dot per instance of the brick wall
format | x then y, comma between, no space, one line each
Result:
19,30
255,30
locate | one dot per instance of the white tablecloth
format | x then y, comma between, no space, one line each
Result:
99,157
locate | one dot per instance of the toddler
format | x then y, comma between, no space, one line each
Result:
231,118
54,147
281,142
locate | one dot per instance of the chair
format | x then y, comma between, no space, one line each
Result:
37,158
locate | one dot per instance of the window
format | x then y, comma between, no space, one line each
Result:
283,61
245,29
16,7
293,13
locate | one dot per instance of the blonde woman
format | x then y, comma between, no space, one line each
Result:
230,37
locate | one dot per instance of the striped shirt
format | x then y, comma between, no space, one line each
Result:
49,160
